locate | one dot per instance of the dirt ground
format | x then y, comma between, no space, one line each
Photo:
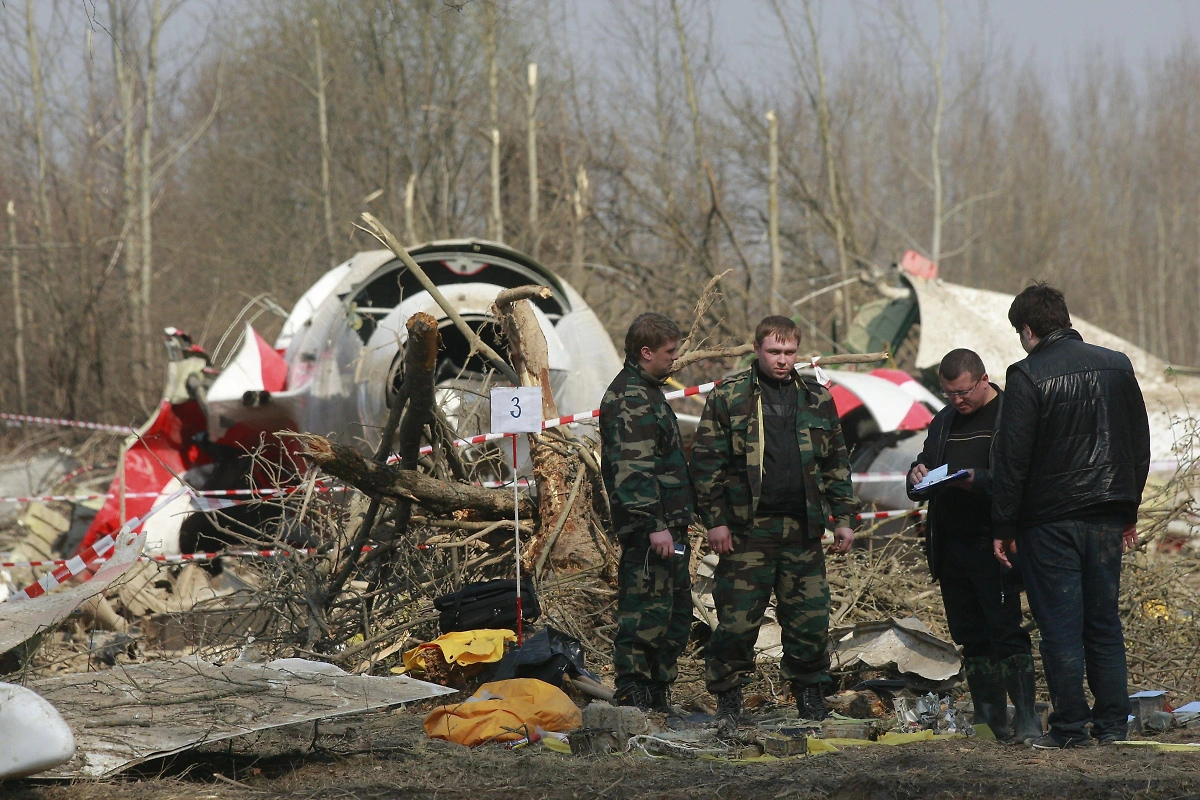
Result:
388,756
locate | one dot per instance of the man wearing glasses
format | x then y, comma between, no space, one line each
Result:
983,606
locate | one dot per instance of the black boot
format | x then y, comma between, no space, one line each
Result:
810,701
1026,722
659,695
729,709
634,693
987,695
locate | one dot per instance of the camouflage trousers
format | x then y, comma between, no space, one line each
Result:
771,555
654,614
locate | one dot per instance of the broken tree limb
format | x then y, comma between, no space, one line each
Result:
369,477
849,358
526,345
708,296
700,355
527,292
558,525
420,362
744,349
553,466
376,229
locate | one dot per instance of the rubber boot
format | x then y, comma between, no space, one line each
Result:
1026,722
987,695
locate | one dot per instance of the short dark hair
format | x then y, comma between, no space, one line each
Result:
785,329
956,362
652,330
1042,307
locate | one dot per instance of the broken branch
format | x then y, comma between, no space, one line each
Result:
384,235
377,479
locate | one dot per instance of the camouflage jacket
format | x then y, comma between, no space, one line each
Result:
727,455
642,458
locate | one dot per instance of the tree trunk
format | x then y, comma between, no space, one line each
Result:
147,348
410,227
496,219
323,125
580,203
531,108
18,309
777,304
576,545
126,78
39,125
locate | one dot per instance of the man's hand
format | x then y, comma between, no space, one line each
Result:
917,474
662,543
966,481
1001,548
843,539
720,540
1129,538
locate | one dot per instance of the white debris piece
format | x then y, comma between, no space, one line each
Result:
125,716
33,735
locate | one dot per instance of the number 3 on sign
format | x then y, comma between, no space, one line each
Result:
516,409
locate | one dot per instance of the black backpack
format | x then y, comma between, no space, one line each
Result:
492,604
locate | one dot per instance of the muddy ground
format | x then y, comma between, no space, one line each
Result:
388,756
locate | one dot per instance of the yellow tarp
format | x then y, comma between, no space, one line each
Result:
461,647
504,711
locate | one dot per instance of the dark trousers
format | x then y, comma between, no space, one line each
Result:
1072,572
983,602
654,614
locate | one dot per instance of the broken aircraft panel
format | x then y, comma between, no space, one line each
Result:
330,369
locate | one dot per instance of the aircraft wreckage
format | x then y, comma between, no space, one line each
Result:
339,351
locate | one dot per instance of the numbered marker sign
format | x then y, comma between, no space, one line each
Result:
517,409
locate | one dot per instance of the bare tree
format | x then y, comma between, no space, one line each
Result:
323,127
18,308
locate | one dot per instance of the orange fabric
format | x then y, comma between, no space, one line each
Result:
504,711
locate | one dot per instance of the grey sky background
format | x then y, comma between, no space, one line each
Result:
1051,35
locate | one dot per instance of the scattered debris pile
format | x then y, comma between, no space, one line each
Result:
343,589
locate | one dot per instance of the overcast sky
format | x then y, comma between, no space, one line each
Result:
1052,34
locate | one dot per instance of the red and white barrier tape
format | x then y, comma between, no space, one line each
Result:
75,565
177,558
96,553
558,422
20,419
74,498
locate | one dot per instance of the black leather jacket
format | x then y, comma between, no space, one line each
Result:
1075,439
933,454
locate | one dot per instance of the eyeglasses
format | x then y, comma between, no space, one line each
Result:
963,393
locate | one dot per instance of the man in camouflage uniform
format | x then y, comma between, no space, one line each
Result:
770,466
650,492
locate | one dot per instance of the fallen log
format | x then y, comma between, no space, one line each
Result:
435,496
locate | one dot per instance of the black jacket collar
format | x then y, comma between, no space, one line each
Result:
1056,336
